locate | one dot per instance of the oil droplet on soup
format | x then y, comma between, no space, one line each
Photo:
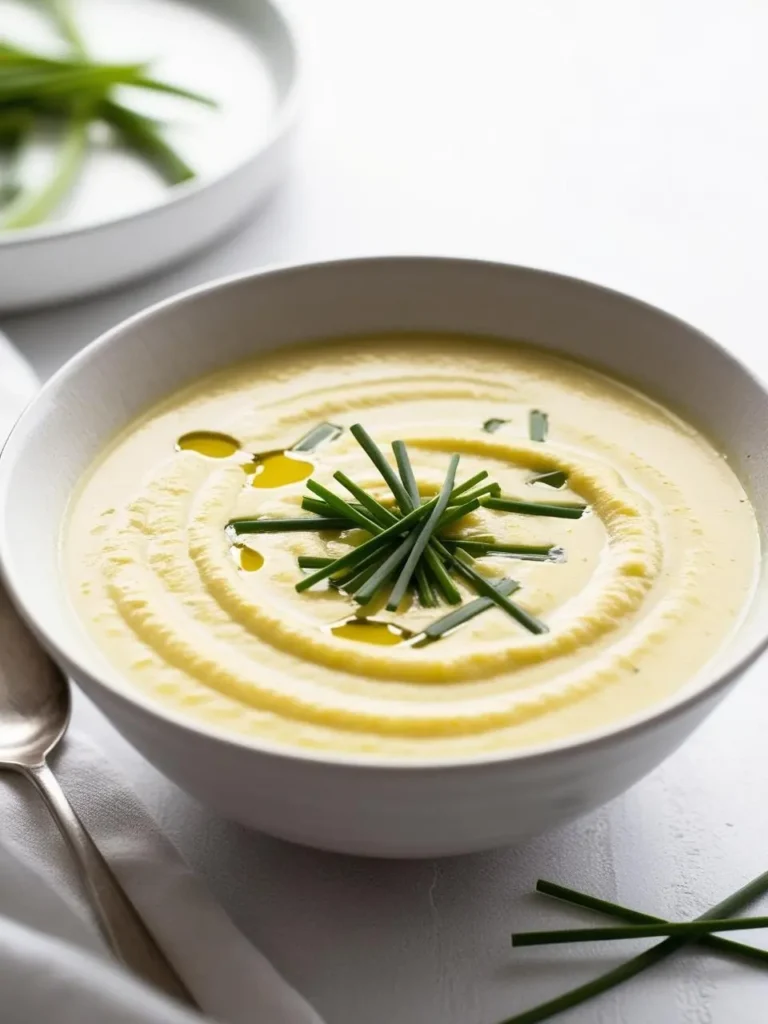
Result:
371,631
208,443
247,558
280,469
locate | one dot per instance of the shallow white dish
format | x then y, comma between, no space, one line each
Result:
122,221
379,808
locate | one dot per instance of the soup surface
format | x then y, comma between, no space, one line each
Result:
620,547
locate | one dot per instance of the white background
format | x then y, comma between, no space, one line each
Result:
626,142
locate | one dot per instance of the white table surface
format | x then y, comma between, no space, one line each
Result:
623,142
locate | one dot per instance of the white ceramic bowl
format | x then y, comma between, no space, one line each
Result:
340,803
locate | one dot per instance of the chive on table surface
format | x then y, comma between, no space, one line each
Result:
622,143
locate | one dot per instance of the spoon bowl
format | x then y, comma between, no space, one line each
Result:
34,695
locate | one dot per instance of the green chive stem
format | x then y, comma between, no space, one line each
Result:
526,552
379,541
738,950
377,510
304,524
367,592
562,510
405,469
374,453
423,536
744,896
689,929
462,563
458,617
344,508
311,562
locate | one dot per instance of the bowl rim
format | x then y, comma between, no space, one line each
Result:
281,122
698,688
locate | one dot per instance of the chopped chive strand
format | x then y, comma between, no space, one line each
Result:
462,489
457,512
366,594
358,577
379,541
535,508
379,512
427,596
344,508
320,508
492,425
310,562
322,434
640,963
306,523
423,536
444,581
374,453
405,469
524,551
463,565
688,929
350,580
538,425
457,618
736,949
493,489
554,479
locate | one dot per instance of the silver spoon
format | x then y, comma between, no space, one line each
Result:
34,714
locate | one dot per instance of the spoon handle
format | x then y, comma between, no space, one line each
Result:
121,927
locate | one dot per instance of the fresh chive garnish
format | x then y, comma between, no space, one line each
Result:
557,479
492,425
378,511
640,963
688,929
344,508
322,434
405,469
461,490
457,618
424,536
526,552
379,541
305,523
390,564
456,512
424,588
407,542
442,577
537,508
538,425
494,490
728,946
462,563
312,562
374,453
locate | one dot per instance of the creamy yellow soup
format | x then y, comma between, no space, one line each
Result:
634,592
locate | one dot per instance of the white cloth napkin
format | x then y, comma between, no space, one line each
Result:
53,966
